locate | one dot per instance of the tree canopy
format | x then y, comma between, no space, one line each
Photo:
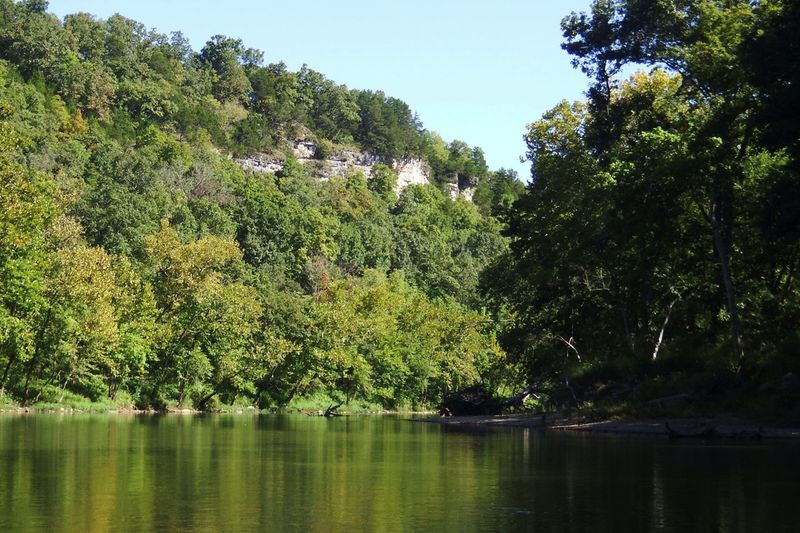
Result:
655,249
647,245
140,264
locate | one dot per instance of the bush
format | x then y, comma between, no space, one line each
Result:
324,149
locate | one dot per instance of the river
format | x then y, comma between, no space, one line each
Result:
87,473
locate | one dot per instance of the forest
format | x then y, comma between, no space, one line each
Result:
141,266
653,252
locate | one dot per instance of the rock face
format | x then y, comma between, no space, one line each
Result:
338,163
451,189
260,163
304,149
409,171
456,186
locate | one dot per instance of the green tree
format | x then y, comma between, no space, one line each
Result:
26,208
80,329
387,126
332,109
497,191
700,41
206,319
223,55
257,286
383,182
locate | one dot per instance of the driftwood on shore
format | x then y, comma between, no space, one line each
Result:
331,410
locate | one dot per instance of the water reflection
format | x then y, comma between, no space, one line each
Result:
243,473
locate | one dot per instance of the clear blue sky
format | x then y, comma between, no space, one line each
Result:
475,70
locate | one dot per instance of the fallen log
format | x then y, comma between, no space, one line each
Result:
519,399
331,410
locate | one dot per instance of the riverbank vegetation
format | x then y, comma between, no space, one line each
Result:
653,257
655,253
139,263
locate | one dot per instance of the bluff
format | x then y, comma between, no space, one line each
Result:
410,171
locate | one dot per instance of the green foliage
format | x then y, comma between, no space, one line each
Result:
387,126
442,245
657,240
497,192
275,229
378,339
139,264
454,163
383,183
223,54
646,245
26,207
205,318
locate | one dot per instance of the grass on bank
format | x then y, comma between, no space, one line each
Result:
312,404
70,401
317,403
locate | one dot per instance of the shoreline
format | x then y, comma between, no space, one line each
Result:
717,427
190,411
706,427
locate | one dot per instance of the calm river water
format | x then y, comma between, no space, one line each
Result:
91,473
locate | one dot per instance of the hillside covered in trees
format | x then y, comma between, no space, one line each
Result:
140,263
654,253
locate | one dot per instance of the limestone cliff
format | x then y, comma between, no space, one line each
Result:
409,171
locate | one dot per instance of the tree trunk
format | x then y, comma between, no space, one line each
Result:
787,285
663,329
37,348
626,321
26,389
721,245
519,399
201,404
64,388
11,359
181,392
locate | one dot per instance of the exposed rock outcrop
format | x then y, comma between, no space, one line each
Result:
409,171
451,189
467,193
260,163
